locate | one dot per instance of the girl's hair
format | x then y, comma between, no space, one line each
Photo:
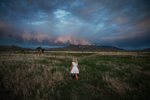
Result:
75,60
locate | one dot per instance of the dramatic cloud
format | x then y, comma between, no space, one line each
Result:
121,23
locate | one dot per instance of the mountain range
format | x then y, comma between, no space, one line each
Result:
13,48
71,48
86,48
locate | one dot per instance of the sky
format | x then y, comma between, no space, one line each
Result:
59,23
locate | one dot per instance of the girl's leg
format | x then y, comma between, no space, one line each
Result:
73,75
76,77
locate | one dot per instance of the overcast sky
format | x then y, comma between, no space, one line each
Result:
58,23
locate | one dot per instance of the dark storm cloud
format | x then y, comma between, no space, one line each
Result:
60,22
90,10
22,10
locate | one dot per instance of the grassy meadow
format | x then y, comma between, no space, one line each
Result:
102,76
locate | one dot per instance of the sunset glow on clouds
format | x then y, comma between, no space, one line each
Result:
125,23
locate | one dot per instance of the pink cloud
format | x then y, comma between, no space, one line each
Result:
142,26
41,37
26,37
121,20
129,36
1,25
145,24
71,40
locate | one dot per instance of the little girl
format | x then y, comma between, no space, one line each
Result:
75,68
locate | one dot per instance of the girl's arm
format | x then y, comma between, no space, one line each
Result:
71,67
78,66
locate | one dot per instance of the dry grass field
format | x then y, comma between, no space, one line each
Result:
46,76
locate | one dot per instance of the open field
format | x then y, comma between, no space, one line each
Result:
46,76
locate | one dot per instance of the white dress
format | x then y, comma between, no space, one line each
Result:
75,68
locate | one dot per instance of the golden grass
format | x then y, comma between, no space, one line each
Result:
74,96
57,76
30,78
120,85
133,54
99,62
147,73
117,85
27,77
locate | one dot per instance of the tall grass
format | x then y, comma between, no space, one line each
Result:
102,76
